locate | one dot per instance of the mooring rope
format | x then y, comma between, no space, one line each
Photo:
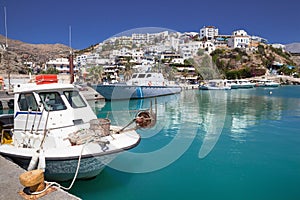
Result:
49,184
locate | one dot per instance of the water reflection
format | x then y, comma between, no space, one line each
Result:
121,112
208,114
213,108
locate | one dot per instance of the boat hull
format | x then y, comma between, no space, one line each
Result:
61,164
65,169
114,92
213,88
267,85
242,86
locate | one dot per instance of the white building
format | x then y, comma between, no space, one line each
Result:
81,60
61,64
139,38
137,54
208,32
174,43
148,38
190,49
239,39
177,61
124,52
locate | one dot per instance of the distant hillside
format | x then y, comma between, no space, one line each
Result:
293,47
226,61
238,63
19,52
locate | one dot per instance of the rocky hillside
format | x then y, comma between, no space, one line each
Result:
221,63
19,52
238,63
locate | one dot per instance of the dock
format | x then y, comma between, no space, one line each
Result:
11,187
90,94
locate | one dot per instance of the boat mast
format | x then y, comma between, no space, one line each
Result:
6,50
5,26
71,56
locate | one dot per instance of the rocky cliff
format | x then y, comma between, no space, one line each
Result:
13,57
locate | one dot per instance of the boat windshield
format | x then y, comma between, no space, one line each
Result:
74,99
141,75
52,101
27,102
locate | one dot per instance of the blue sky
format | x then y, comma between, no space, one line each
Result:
92,21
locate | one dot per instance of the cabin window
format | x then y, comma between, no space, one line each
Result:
141,75
74,99
52,101
134,75
148,75
27,102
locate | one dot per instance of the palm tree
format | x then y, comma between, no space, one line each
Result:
95,74
128,72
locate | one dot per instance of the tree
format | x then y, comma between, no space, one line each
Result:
200,52
95,74
50,70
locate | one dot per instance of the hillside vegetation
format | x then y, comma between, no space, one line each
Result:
239,63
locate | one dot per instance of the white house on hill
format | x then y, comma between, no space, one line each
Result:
208,32
239,39
61,64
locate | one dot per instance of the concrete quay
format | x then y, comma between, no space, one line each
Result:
10,185
90,93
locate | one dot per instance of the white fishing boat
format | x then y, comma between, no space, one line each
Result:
54,128
240,84
266,83
215,84
141,85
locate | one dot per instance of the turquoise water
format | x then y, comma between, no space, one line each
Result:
238,144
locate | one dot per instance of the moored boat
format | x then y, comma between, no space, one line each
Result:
266,83
215,84
240,84
54,128
141,85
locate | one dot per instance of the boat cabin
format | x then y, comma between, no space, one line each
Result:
48,107
147,79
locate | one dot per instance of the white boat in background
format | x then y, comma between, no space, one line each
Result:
54,128
266,83
240,84
141,85
215,84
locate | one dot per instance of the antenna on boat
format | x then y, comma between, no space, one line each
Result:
6,49
5,26
71,57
